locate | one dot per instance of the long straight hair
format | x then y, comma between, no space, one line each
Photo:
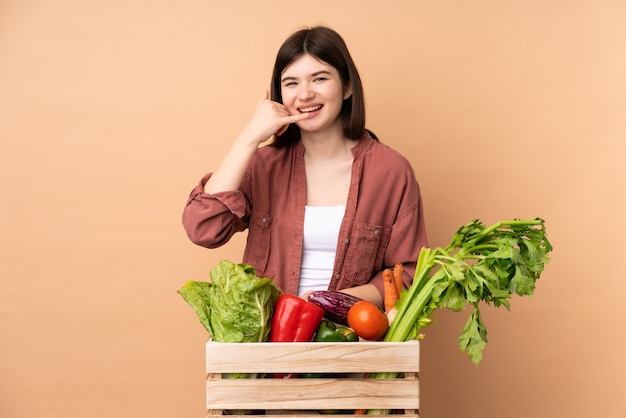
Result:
328,46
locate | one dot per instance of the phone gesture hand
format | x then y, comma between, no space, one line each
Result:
271,118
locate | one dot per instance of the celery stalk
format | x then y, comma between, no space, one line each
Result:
480,264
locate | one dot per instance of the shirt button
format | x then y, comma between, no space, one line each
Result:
337,276
264,220
347,241
376,232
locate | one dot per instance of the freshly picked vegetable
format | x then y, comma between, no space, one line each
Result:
329,332
367,320
392,288
480,264
236,306
294,319
335,304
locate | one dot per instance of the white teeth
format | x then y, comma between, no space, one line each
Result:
310,109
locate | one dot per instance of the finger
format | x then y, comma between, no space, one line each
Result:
290,120
296,118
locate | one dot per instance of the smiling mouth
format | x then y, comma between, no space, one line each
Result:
309,109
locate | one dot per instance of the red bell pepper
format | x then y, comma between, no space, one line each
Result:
294,319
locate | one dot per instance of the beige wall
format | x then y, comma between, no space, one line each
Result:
110,111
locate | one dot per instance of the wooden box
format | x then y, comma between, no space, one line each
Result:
340,385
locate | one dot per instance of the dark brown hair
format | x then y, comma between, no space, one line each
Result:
328,46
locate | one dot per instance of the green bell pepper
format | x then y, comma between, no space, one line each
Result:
328,332
350,335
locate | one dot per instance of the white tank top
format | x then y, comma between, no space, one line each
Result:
321,231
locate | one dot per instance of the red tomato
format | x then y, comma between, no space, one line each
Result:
369,322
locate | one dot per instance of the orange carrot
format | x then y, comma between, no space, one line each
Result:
389,287
397,278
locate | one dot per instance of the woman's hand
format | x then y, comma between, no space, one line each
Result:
269,118
307,294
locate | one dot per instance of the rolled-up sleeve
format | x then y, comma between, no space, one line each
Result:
211,220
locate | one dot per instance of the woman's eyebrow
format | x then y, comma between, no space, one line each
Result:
315,74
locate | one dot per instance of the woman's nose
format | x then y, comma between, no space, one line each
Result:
306,92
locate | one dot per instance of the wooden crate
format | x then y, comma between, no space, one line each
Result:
341,385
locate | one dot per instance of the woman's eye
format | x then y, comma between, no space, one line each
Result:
320,79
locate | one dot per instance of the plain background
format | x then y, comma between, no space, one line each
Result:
111,111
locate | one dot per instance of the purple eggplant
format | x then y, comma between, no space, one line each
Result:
335,304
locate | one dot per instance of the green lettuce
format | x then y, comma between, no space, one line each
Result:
236,306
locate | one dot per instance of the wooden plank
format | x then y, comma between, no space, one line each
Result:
358,357
312,393
303,397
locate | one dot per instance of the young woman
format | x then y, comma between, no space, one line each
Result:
326,205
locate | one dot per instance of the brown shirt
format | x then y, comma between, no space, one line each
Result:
383,223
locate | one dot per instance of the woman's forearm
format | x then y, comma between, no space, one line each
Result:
367,292
230,172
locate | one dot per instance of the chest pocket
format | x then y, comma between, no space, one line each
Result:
259,242
365,252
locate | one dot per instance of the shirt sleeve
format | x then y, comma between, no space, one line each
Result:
210,220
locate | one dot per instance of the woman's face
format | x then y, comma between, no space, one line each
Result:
309,85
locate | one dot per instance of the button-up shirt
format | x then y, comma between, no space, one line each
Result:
383,223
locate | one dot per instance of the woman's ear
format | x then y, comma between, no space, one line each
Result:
347,92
